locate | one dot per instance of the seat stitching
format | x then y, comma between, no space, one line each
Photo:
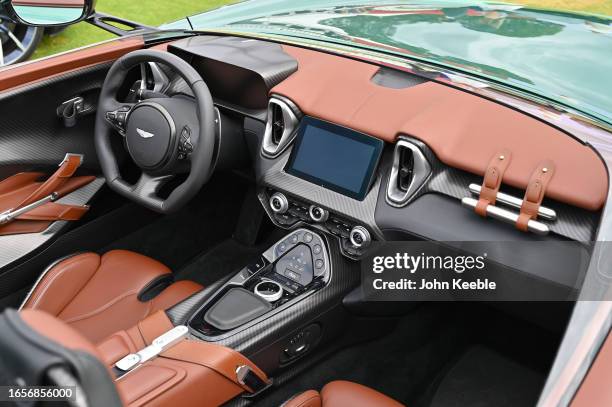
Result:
295,396
46,287
144,340
101,308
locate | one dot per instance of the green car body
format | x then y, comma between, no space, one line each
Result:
562,57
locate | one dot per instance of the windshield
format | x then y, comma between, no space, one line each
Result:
563,57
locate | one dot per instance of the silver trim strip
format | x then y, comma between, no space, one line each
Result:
421,170
13,247
515,202
43,274
507,216
268,148
6,217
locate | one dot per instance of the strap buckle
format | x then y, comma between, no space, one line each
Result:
159,344
248,378
69,156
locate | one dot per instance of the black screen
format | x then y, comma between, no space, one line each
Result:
335,157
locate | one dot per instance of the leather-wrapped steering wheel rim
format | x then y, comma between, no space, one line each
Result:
144,191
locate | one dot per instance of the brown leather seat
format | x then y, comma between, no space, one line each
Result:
341,393
34,345
98,295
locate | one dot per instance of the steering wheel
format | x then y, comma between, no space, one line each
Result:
164,136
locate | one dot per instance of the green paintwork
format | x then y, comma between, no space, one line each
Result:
564,57
44,15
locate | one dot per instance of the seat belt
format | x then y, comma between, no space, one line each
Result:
40,206
66,169
225,361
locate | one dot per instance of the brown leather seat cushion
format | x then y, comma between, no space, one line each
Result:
98,295
190,373
341,393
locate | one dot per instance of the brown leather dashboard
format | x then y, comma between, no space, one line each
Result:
463,130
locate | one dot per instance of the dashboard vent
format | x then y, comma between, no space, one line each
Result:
409,172
280,128
278,124
405,169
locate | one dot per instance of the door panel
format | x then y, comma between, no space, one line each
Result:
33,136
34,140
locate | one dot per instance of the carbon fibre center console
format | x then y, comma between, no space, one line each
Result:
292,269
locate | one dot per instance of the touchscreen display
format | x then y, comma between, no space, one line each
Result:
335,157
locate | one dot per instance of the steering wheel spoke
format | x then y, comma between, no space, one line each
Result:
148,185
116,115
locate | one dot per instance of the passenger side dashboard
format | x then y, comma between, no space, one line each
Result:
437,142
438,139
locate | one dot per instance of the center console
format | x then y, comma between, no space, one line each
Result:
327,180
293,268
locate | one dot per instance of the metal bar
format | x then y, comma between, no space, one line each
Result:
9,215
544,212
507,216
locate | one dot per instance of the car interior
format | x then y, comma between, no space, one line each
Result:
223,189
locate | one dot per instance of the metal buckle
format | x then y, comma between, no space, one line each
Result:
159,344
67,157
246,377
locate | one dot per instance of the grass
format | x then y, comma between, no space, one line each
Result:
147,12
156,12
603,7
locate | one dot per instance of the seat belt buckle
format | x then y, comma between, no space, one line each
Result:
159,344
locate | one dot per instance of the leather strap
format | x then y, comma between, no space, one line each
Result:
154,325
22,189
492,180
52,211
66,170
536,190
223,360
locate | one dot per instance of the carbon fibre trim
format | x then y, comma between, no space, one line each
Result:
33,135
345,276
572,222
13,247
223,60
266,59
361,212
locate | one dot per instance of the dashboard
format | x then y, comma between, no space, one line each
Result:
366,154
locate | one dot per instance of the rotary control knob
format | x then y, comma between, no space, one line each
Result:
318,214
279,203
360,237
269,290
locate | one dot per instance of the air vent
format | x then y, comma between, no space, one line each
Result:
405,169
280,128
409,172
278,124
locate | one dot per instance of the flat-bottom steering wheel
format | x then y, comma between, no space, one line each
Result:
164,136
